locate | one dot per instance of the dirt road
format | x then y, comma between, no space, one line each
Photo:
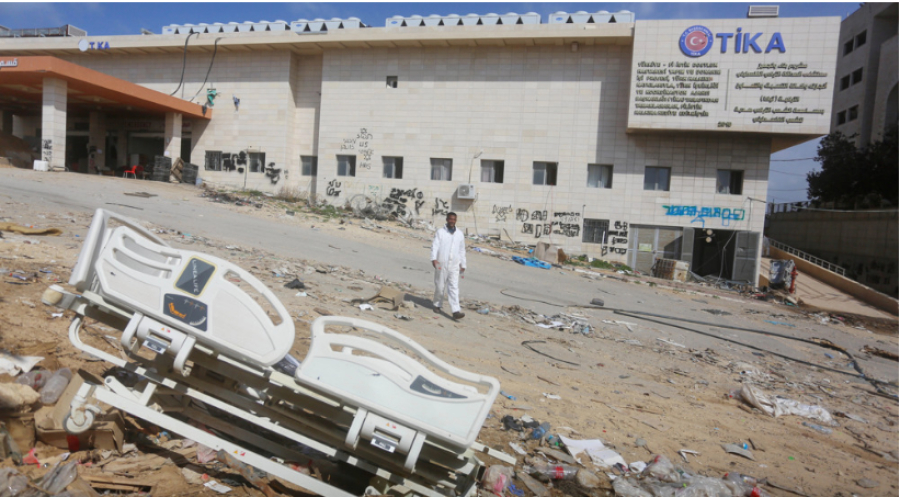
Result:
627,379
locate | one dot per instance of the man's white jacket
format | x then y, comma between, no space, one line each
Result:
449,249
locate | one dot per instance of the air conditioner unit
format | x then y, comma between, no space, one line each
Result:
466,192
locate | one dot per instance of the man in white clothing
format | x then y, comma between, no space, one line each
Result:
448,256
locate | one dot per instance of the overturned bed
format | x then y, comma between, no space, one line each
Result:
209,343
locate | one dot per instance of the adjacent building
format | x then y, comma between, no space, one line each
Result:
865,84
624,140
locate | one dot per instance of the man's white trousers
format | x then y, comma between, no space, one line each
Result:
446,282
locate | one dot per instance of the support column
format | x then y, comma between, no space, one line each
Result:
122,148
97,143
7,123
173,135
53,123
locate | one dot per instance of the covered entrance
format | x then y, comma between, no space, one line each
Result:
55,101
649,243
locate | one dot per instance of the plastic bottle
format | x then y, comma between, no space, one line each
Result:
540,431
55,386
34,379
554,472
746,484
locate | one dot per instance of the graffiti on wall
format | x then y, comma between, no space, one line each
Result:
616,240
333,189
396,201
47,150
535,223
700,214
500,212
567,224
243,162
361,145
441,207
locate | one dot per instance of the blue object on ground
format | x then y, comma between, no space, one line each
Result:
531,262
515,491
780,323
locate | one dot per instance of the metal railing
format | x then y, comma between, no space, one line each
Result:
834,268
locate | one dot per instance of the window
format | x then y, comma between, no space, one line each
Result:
393,167
599,176
729,182
595,230
842,117
857,75
442,169
257,162
860,39
213,160
848,47
309,165
392,81
492,171
845,82
544,173
853,113
346,165
657,178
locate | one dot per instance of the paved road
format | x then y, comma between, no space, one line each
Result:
407,260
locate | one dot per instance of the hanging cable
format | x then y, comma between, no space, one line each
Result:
183,63
209,69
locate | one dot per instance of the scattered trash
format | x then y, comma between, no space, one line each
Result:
540,431
737,449
536,487
366,307
683,453
403,317
867,483
531,262
818,428
781,406
295,285
497,478
508,396
14,396
780,323
484,311
301,294
599,454
716,312
11,364
518,448
552,396
554,472
217,487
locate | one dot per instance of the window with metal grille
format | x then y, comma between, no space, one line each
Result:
595,230
309,165
213,160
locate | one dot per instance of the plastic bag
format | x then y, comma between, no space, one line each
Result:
497,478
662,469
781,406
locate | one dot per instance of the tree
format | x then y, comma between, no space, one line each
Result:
851,176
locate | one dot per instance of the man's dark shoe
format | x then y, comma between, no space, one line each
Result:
458,315
437,310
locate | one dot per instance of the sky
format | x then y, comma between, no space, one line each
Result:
787,178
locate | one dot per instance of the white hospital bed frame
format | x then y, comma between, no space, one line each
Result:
203,349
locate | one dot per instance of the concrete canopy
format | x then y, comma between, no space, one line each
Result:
21,89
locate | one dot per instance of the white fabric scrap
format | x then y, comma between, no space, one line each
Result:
781,406
599,454
217,487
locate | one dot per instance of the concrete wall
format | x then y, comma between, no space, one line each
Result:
865,243
886,112
846,285
520,105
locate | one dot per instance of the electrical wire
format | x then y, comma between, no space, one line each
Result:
648,315
785,172
208,70
183,63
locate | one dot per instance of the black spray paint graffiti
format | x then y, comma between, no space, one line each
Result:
47,151
536,229
234,162
617,240
334,188
567,224
396,201
441,207
500,213
274,174
363,146
521,215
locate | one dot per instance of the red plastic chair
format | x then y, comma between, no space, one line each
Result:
134,171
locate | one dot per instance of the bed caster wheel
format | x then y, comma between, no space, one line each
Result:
79,421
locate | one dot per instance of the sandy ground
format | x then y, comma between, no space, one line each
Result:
619,383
